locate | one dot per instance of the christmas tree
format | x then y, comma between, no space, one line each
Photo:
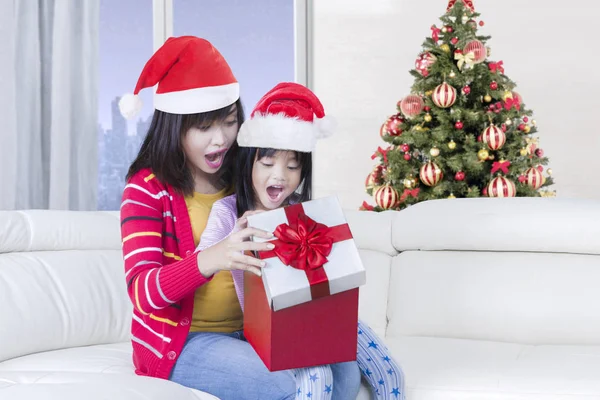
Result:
463,131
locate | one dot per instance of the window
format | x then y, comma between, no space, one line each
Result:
259,39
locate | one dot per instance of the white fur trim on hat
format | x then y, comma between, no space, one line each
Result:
325,126
130,105
198,100
278,131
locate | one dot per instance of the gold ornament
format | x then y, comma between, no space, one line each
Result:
507,95
549,171
452,145
434,152
508,122
527,129
427,117
487,98
483,154
419,128
452,74
428,93
445,48
410,182
452,196
523,152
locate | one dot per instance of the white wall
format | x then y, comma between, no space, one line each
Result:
364,50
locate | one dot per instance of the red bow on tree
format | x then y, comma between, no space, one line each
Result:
509,103
497,66
435,33
408,192
467,3
366,206
500,165
305,247
381,152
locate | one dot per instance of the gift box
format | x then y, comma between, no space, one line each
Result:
303,311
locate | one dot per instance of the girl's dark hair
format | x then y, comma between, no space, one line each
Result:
162,149
244,189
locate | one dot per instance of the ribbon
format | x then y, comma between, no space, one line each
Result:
409,192
381,152
467,3
496,66
366,207
500,165
468,58
509,103
304,244
435,33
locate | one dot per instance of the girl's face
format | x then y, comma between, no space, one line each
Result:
275,178
205,146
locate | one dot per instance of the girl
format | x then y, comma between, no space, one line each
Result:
275,167
187,321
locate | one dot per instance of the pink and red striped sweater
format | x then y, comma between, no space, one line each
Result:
161,271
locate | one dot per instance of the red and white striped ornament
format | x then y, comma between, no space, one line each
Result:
412,105
430,174
478,49
534,178
501,187
494,137
444,95
386,197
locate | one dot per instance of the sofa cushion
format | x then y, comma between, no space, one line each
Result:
552,225
455,369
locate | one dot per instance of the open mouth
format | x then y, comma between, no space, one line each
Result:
275,192
215,159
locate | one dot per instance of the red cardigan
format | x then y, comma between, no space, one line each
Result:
161,272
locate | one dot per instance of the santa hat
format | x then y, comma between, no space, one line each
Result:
192,77
288,117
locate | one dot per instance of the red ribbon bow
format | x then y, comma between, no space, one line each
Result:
381,152
467,3
408,192
366,206
509,103
503,165
497,66
304,244
435,33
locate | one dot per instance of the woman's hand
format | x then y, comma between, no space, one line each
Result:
229,254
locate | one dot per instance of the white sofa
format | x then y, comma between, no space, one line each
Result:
477,299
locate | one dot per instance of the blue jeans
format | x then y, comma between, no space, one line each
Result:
226,366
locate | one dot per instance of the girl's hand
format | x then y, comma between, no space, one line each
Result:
229,254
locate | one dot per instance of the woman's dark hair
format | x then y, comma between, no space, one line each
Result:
162,149
244,189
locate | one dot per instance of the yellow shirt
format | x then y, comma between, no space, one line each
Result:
216,306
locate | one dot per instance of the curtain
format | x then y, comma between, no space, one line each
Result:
48,104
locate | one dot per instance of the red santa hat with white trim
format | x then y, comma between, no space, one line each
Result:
288,117
192,77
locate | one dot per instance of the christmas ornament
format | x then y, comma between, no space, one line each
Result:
522,178
481,23
466,89
427,117
521,127
392,125
508,122
517,97
483,154
445,48
372,181
487,98
424,61
501,187
540,168
467,3
434,152
452,75
454,40
430,174
527,129
386,197
539,153
533,122
427,108
458,125
504,128
410,182
449,29
407,156
452,196
444,29
493,137
532,144
494,85
405,148
523,152
452,145
534,178
484,191
478,50
549,171
412,105
444,95
506,95
525,119
496,66
382,131
460,176
428,93
488,51
479,138
472,24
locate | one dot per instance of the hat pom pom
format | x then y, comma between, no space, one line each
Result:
130,105
325,127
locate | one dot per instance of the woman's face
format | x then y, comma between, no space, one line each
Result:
205,146
275,178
